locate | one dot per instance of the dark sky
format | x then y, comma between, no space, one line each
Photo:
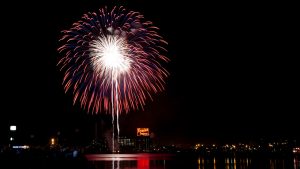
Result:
234,72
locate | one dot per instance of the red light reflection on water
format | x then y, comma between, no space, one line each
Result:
143,163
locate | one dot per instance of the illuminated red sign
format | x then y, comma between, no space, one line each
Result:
142,131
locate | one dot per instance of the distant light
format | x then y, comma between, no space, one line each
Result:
13,128
52,141
21,147
296,150
11,139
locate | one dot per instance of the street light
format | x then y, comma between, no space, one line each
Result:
13,128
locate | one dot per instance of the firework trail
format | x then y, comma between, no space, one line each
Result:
112,61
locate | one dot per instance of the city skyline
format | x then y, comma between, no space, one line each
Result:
233,73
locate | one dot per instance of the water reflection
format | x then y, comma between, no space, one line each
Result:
129,161
246,163
168,161
296,162
143,163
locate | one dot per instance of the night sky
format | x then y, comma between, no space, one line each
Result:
234,73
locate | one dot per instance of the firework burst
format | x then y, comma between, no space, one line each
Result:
112,60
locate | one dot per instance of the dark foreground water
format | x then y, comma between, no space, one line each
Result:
150,161
188,161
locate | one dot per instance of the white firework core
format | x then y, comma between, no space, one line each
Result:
109,55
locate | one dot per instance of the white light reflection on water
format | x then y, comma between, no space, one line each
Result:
296,163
